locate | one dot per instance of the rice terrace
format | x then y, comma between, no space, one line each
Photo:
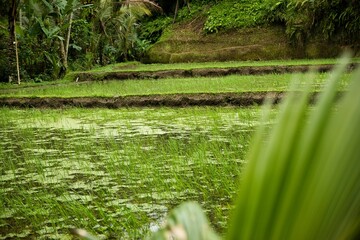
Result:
178,119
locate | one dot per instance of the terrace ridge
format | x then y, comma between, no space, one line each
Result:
244,99
204,72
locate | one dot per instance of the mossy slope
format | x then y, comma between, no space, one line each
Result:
186,42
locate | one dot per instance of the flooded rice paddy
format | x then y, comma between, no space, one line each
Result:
117,173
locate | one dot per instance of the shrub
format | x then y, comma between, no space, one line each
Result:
152,28
231,14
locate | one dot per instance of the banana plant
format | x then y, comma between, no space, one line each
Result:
53,18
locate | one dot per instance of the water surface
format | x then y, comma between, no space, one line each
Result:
117,173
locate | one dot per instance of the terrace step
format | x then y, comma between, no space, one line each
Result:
167,100
203,72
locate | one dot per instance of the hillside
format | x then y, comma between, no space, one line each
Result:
231,30
186,42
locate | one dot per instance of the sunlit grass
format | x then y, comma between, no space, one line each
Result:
232,84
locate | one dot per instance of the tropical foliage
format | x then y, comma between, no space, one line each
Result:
232,14
52,36
303,181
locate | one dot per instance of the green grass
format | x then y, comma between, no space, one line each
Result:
117,172
136,66
26,84
234,84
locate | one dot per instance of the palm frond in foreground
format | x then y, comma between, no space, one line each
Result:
303,180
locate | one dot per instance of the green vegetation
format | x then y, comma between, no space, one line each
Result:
117,172
136,66
302,182
232,14
302,18
228,30
52,37
307,171
235,83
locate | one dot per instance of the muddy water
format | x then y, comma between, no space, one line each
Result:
117,172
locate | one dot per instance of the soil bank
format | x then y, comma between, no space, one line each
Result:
170,100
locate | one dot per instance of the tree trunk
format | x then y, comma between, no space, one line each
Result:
68,36
17,59
63,57
176,10
64,63
63,54
188,4
14,68
64,48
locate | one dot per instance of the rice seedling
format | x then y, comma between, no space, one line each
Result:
136,66
116,172
232,84
302,182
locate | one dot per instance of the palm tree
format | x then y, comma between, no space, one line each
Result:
115,24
